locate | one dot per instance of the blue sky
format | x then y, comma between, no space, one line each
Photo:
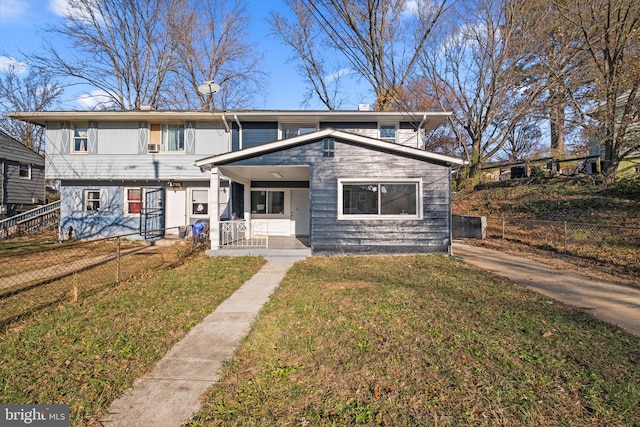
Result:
21,23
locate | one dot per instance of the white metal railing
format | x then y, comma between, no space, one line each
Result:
31,221
241,234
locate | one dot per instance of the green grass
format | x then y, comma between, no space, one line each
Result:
423,340
88,353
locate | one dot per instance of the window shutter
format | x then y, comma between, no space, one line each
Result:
104,199
92,138
65,138
143,137
190,138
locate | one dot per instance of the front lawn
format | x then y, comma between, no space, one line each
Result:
423,340
87,352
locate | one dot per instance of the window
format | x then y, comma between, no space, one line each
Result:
80,133
267,202
25,171
200,202
134,201
289,130
170,138
328,147
388,132
92,200
386,199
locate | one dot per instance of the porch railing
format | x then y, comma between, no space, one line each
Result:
243,234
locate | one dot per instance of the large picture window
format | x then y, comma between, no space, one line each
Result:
267,202
384,199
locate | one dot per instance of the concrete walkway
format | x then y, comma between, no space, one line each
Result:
170,394
605,300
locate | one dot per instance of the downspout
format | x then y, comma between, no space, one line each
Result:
235,116
450,212
226,125
424,119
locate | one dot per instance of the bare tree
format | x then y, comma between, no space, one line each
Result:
152,52
210,46
381,40
478,70
524,141
36,91
610,38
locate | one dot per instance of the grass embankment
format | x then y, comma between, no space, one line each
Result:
88,353
423,340
598,251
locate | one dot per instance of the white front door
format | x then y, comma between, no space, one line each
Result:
300,211
176,209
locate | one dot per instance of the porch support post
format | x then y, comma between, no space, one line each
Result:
214,209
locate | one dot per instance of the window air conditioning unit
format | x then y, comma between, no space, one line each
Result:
153,148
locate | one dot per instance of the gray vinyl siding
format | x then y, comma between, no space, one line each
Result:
17,193
121,153
257,133
330,235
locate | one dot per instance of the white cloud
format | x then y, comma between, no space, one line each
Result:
60,7
96,99
8,64
340,73
13,10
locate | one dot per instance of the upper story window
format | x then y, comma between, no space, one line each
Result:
25,171
167,138
328,147
289,130
388,132
386,199
80,138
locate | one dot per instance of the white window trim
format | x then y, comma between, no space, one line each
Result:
86,199
126,201
196,215
395,125
356,181
73,138
29,171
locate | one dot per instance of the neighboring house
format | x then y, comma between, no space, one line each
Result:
630,164
353,181
21,177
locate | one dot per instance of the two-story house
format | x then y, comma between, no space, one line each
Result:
353,181
21,177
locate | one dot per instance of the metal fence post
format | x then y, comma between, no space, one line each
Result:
565,237
503,222
118,260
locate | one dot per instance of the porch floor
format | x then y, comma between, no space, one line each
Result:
279,246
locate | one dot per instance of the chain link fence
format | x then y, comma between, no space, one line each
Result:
66,272
602,243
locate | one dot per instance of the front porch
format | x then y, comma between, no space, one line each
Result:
268,247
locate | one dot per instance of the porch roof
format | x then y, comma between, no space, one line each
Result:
223,159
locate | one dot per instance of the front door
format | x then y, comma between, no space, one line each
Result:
300,211
153,213
175,210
